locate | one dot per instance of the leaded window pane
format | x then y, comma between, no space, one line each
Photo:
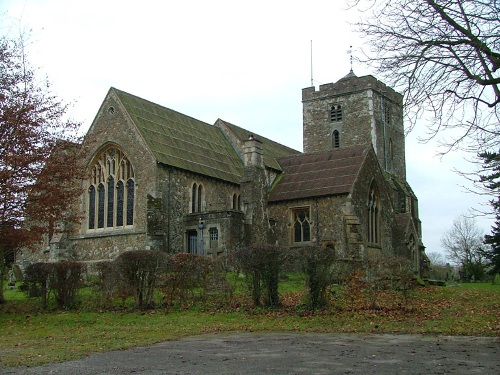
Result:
120,197
200,192
101,192
111,202
306,231
92,207
298,232
301,225
130,202
193,197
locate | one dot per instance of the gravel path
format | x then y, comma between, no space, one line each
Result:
248,354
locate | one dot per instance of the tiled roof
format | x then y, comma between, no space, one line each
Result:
182,141
319,174
272,150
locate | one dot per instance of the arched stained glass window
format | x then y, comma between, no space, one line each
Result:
130,202
111,194
120,199
101,196
91,207
111,201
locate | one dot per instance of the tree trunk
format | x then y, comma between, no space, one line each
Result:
2,275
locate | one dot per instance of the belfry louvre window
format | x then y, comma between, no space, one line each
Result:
111,191
301,225
336,113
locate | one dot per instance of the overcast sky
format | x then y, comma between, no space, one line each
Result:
244,62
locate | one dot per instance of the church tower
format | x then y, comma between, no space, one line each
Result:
356,111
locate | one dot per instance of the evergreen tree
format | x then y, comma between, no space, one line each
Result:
491,181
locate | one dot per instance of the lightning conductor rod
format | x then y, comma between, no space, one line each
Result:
312,82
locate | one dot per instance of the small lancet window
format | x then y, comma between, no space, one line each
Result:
336,139
200,194
194,189
373,216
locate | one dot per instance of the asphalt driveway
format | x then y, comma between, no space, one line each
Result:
262,353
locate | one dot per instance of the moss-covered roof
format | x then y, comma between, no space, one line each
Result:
318,174
181,141
271,150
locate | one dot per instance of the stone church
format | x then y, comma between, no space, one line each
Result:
161,180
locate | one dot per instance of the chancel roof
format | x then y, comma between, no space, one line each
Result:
271,150
318,174
181,141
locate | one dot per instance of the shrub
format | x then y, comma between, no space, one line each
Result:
403,277
107,284
138,272
262,265
382,276
36,281
317,264
193,277
65,280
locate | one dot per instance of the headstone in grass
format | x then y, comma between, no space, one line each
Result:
18,273
496,279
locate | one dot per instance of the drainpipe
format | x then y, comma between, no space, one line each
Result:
317,221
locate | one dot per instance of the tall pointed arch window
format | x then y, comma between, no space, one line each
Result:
413,252
196,197
200,194
111,192
373,216
390,157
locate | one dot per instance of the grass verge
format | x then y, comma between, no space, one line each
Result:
30,339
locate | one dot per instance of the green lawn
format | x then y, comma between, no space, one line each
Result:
34,338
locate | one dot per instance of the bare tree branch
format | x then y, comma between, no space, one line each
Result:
444,56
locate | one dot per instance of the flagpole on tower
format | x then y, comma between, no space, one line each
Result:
312,81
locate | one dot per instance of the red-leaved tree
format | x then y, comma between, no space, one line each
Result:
38,156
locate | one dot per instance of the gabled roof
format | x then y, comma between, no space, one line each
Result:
324,173
272,150
181,141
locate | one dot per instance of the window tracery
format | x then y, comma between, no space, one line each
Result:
108,200
301,225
